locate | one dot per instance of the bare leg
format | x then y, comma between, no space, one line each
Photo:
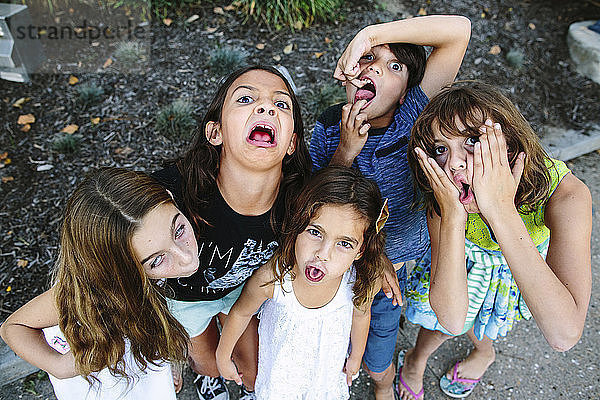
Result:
478,360
245,352
202,351
384,382
415,360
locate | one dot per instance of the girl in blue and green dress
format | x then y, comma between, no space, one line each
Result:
510,235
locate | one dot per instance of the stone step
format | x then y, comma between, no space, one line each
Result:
566,144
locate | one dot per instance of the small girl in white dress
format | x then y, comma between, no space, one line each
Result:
317,291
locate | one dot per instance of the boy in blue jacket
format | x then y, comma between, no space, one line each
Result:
389,80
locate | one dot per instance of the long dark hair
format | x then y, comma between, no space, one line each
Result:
337,185
199,166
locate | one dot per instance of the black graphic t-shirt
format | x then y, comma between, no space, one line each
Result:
230,248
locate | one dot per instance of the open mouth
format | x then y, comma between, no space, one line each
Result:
466,194
313,274
367,92
262,135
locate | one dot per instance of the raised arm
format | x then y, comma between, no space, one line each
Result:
22,331
556,290
253,295
448,35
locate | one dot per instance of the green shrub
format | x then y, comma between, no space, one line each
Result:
89,93
66,143
293,13
515,58
130,54
226,59
327,95
176,119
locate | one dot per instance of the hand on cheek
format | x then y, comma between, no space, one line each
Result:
446,194
494,183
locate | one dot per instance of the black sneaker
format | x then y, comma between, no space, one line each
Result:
209,388
245,394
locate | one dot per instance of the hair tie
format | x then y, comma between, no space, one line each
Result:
383,216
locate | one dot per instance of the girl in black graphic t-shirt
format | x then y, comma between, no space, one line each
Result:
246,161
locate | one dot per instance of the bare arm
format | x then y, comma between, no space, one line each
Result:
448,35
358,339
448,295
22,331
556,290
253,295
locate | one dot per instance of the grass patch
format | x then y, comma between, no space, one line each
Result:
224,60
130,55
176,120
67,144
294,14
89,93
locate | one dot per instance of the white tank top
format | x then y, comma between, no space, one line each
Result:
302,351
154,383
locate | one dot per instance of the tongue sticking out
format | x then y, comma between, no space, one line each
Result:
367,92
313,274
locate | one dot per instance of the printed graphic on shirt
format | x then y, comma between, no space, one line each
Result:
252,256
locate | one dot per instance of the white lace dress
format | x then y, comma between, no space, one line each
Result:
302,351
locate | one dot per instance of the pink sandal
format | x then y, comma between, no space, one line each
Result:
457,388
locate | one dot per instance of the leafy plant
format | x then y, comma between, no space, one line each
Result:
176,119
67,143
327,95
89,93
295,14
223,60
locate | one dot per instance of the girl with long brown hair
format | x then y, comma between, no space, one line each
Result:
510,235
317,290
103,330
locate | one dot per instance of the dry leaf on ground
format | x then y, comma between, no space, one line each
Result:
25,128
260,46
277,57
192,18
327,40
495,50
167,21
218,10
531,26
107,63
422,11
319,54
95,121
26,119
6,179
22,263
72,128
288,49
19,103
73,80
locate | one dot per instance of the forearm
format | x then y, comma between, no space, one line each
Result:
342,157
233,328
553,306
434,30
30,345
448,295
359,331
